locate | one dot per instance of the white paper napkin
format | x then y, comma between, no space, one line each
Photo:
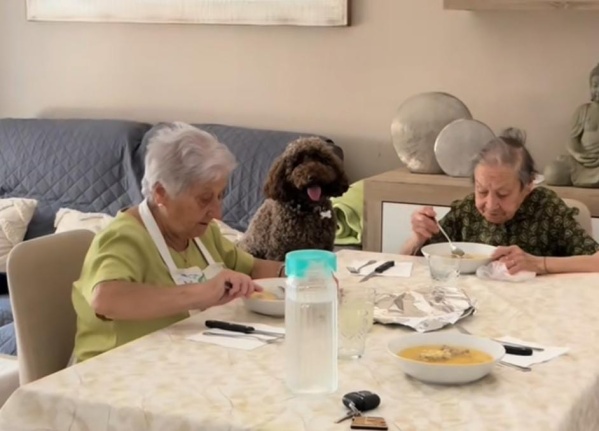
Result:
498,271
400,269
238,340
537,357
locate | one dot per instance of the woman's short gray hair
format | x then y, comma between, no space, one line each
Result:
180,155
508,150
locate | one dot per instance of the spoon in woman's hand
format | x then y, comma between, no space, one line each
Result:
456,251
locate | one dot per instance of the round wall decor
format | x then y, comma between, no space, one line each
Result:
416,125
458,144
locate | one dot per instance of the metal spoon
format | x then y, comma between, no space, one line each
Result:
357,270
264,340
456,251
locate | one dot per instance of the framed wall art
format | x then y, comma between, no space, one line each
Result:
248,12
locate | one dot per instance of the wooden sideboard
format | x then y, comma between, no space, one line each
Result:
391,197
524,5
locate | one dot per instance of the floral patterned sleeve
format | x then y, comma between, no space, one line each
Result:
571,238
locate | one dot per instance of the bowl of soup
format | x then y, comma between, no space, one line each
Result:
270,302
446,357
475,254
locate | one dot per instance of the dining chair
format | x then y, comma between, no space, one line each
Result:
41,273
584,215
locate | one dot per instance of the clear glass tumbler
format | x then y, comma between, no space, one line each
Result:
355,317
444,270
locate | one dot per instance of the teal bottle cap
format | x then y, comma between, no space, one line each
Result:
297,262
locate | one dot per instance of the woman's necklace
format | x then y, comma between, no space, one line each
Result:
185,255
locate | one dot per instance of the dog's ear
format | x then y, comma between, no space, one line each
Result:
341,185
274,187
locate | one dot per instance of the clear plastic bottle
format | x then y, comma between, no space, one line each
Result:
311,322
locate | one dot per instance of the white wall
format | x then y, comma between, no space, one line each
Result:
528,69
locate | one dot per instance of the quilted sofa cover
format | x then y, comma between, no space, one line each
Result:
87,165
97,166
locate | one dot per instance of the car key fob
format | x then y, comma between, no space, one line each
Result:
362,400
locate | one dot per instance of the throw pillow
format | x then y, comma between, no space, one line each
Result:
228,232
69,219
15,215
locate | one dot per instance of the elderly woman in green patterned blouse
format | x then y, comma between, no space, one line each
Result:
532,226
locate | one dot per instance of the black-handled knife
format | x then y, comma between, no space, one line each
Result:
234,327
517,350
378,270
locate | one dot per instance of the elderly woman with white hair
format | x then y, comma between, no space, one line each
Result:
157,261
532,227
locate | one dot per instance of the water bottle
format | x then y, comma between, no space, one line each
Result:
311,322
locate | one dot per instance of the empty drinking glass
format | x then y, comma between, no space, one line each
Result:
355,314
444,270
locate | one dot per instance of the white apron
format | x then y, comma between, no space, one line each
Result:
180,276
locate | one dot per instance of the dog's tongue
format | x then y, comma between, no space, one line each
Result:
314,193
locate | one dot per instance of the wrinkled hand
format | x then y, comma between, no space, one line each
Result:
424,225
229,285
516,260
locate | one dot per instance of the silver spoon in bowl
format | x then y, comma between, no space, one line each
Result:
456,251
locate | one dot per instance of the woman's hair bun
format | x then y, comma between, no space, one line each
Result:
513,136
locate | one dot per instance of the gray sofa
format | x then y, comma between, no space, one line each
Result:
97,166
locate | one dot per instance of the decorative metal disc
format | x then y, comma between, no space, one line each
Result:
416,125
458,144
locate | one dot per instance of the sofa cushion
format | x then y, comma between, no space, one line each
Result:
228,232
255,151
69,219
15,215
87,165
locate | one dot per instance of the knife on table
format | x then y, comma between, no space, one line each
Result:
378,270
235,327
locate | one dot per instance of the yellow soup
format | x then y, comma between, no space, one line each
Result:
265,296
470,256
446,355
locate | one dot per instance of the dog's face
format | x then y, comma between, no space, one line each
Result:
308,172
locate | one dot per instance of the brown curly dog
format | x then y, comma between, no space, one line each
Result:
297,213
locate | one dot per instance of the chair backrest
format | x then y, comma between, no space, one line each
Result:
41,273
584,215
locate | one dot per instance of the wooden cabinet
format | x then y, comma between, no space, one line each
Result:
521,4
391,198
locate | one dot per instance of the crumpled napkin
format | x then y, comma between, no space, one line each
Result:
238,340
424,311
537,357
498,271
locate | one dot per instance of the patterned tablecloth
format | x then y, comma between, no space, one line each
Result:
165,382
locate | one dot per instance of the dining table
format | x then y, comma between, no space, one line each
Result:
166,381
